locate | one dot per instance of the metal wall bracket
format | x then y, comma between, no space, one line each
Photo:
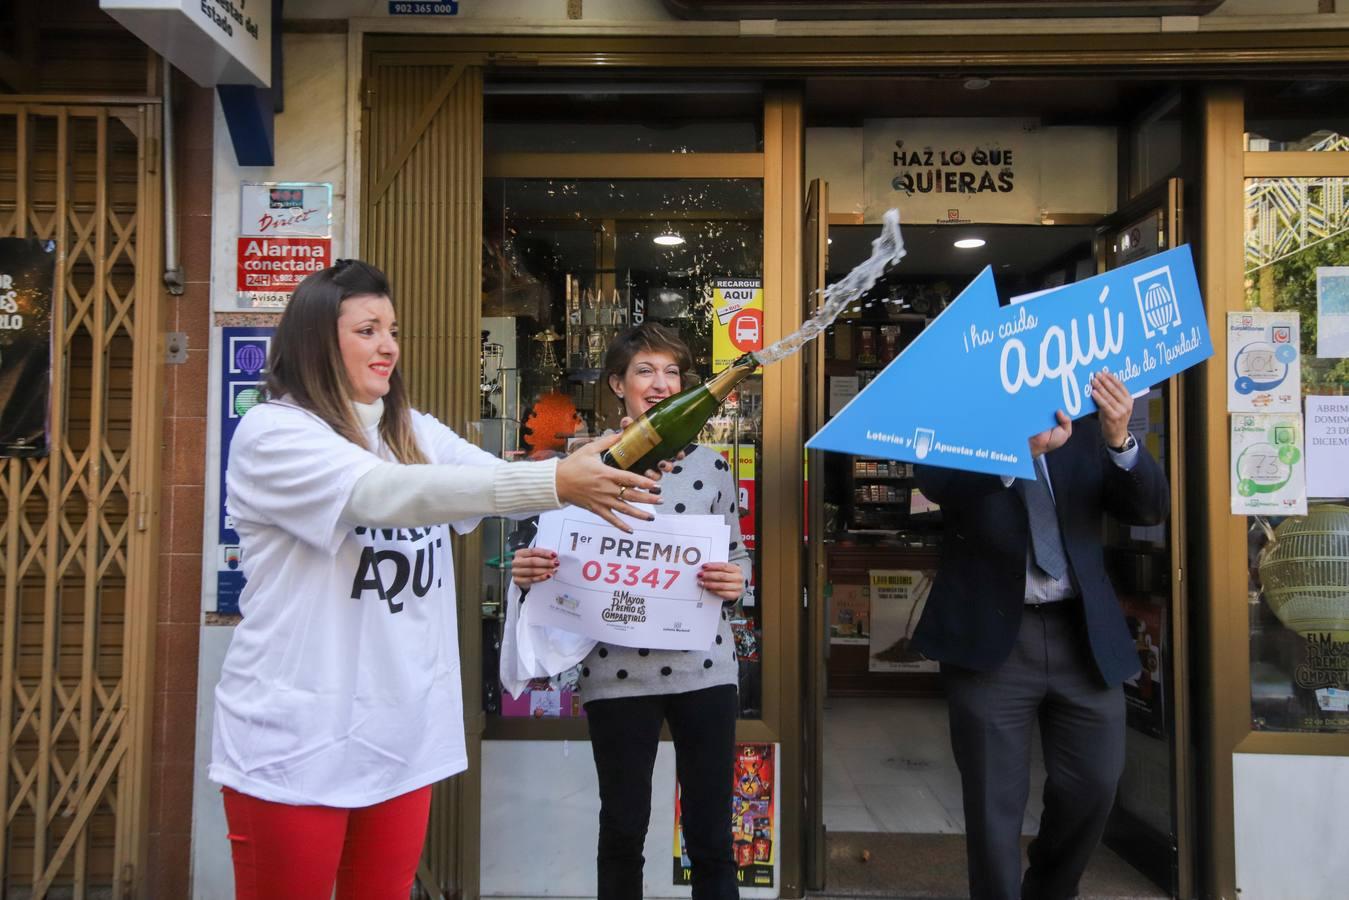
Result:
175,348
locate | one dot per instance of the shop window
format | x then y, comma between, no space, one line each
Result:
621,117
1297,260
1307,115
567,265
1155,146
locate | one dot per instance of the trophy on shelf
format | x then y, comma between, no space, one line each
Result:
549,363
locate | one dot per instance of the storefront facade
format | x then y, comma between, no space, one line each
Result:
426,128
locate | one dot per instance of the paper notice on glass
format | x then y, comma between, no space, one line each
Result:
1332,700
1332,312
897,600
1267,474
1264,363
842,388
1328,446
634,590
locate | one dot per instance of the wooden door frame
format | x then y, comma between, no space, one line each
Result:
1224,567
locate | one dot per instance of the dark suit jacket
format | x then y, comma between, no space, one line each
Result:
974,612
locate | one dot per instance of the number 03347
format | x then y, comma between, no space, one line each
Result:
629,575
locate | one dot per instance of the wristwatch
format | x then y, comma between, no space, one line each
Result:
1129,444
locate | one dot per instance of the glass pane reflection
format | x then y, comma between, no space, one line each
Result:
567,265
1298,586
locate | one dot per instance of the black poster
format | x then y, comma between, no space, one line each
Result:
27,272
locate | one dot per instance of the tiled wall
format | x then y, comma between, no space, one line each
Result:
184,464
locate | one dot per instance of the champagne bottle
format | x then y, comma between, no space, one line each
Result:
673,423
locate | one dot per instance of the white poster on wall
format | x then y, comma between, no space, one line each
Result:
1328,446
842,388
1332,312
950,171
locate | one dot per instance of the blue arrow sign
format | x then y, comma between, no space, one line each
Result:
981,379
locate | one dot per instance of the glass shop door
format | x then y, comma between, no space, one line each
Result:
1150,825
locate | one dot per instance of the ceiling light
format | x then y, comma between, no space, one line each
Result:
976,84
970,243
668,239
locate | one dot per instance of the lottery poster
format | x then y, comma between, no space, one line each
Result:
1264,362
897,600
1267,466
753,819
27,273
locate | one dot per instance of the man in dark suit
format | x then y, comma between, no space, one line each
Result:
1027,627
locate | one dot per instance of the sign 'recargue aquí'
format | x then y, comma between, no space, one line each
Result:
983,378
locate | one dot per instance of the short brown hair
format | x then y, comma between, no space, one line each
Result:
648,337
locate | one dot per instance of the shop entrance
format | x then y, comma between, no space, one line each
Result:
1099,166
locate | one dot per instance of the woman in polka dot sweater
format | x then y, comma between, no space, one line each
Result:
629,692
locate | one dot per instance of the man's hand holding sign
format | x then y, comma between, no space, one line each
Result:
659,587
1115,406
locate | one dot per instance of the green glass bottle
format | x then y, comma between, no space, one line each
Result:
673,423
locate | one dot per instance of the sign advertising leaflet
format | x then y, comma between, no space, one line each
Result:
286,209
243,370
897,600
1327,447
270,268
285,233
754,819
737,319
634,590
1267,466
1264,362
1005,370
27,274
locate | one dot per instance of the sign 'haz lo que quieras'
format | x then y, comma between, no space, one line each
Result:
1002,372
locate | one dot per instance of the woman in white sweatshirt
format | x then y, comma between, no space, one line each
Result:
339,701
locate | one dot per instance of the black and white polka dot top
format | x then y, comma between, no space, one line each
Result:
701,484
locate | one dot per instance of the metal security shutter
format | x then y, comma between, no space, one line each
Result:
76,527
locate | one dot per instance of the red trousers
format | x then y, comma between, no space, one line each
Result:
284,852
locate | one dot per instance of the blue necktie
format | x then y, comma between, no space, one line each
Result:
1046,541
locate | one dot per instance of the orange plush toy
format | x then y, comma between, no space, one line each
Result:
552,420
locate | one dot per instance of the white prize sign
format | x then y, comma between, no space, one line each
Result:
634,590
